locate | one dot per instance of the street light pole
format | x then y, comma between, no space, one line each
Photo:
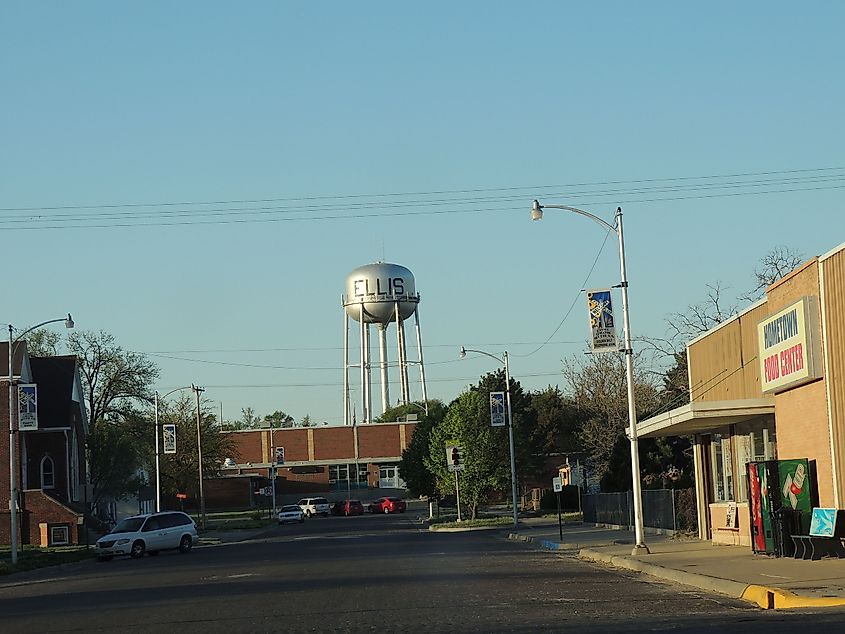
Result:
158,461
158,453
13,487
504,361
537,214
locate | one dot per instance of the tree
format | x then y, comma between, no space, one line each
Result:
180,471
114,456
43,343
412,467
484,450
558,419
249,419
114,380
598,385
524,420
279,420
779,262
306,421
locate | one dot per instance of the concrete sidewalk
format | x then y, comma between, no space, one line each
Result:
773,583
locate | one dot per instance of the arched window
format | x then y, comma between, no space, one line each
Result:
48,473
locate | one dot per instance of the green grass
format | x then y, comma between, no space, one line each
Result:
235,520
32,557
451,522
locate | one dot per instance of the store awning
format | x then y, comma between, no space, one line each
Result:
704,417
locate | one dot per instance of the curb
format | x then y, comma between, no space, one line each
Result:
460,529
766,597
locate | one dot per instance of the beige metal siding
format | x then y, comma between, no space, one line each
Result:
834,315
724,365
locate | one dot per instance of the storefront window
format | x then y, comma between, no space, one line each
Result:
754,441
723,485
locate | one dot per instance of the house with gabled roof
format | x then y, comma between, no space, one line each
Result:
50,455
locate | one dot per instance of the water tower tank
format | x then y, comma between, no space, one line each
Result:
380,287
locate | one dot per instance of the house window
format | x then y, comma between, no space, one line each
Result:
59,534
48,473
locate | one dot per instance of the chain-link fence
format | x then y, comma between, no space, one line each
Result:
668,509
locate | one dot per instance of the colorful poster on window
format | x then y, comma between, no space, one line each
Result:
27,407
602,326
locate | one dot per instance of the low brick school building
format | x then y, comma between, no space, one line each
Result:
311,460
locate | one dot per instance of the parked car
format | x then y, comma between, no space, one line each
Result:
388,505
149,533
291,513
348,507
314,506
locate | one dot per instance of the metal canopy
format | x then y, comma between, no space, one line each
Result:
704,417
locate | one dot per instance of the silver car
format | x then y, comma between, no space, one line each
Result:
148,533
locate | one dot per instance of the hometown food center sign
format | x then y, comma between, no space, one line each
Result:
787,347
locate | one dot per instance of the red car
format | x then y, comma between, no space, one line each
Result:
387,505
348,507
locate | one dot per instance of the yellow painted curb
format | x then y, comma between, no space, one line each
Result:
777,599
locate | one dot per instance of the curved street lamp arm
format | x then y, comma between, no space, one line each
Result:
486,354
178,389
68,323
599,220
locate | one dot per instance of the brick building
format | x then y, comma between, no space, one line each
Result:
316,460
50,458
767,384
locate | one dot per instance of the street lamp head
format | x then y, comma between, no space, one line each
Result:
463,353
536,211
69,321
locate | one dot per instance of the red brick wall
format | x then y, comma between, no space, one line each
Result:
295,442
4,455
333,443
330,443
376,441
40,507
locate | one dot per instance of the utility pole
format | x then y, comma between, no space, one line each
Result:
198,389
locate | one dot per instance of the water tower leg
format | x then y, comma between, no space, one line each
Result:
382,350
398,316
361,358
420,357
345,368
403,363
369,373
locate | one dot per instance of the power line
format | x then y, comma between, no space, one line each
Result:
417,208
420,193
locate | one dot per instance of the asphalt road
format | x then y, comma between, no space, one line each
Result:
370,573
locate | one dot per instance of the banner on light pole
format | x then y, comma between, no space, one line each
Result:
27,406
169,438
602,325
497,409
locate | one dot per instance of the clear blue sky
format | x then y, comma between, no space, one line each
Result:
323,108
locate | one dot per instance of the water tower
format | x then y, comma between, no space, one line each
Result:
380,294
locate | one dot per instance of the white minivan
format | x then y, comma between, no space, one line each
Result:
148,533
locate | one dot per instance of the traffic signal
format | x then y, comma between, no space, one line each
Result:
454,458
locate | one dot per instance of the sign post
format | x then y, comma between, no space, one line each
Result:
455,463
557,483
